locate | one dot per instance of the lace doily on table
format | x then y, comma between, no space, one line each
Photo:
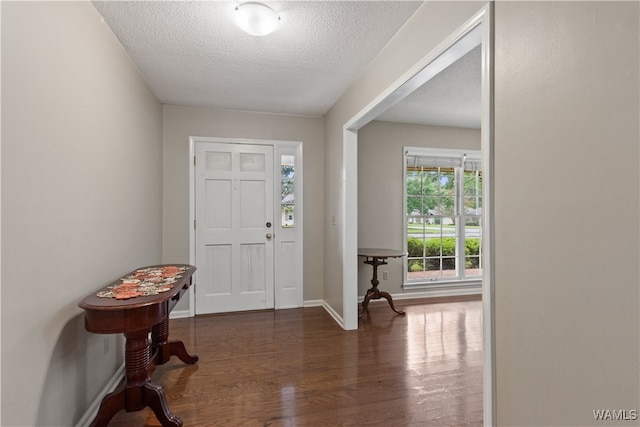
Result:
145,282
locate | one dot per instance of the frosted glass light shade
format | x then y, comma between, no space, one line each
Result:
256,19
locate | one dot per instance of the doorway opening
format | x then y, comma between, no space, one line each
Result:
476,31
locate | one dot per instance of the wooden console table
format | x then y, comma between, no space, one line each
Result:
144,321
376,257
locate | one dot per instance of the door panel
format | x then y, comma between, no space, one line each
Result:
234,201
217,257
217,215
254,271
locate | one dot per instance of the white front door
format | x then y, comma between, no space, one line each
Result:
234,227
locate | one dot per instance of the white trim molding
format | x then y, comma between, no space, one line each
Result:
336,316
179,314
487,150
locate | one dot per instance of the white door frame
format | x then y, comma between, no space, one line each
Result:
289,300
411,80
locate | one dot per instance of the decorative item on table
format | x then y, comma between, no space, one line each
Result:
144,282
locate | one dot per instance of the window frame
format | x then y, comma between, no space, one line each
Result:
459,194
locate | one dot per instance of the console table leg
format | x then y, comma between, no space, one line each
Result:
153,397
140,391
159,336
111,405
177,348
137,356
164,349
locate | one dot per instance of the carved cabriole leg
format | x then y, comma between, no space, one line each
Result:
110,405
365,303
177,348
153,397
387,296
164,349
372,293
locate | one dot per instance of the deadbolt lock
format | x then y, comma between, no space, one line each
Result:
268,225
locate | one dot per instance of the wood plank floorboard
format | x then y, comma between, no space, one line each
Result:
299,368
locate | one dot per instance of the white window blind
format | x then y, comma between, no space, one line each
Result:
424,161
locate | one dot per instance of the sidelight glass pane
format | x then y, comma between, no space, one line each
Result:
288,215
287,191
287,170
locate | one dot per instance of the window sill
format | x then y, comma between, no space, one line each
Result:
443,284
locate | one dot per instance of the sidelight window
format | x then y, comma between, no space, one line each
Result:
287,190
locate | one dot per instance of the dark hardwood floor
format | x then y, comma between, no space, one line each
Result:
299,368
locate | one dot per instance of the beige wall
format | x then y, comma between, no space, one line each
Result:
182,122
380,187
566,211
81,201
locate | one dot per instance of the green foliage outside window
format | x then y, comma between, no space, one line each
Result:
430,190
433,248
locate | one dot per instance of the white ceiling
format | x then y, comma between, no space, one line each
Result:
191,53
451,98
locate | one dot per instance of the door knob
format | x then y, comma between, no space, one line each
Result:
268,235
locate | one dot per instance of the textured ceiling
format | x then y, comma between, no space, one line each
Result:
451,98
191,53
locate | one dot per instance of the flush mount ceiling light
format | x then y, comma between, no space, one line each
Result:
256,19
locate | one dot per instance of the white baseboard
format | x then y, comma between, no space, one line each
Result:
179,314
313,303
446,292
92,411
432,293
333,314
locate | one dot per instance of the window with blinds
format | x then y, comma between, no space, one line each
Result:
443,215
